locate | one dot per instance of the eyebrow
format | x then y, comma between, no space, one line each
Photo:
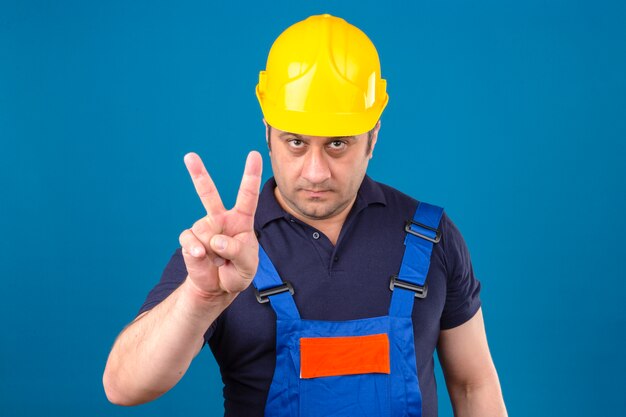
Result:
281,134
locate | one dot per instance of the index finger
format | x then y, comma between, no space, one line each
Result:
205,188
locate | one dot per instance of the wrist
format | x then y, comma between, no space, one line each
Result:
201,299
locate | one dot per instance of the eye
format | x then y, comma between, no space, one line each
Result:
295,143
337,145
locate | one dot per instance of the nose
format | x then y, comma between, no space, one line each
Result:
315,168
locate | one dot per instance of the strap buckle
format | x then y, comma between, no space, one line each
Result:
420,290
263,296
408,229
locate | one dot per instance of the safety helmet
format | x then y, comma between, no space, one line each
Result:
322,79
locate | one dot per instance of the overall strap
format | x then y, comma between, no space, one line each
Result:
421,234
269,287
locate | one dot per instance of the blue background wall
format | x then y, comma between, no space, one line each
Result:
510,114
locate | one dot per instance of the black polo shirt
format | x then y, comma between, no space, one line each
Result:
343,282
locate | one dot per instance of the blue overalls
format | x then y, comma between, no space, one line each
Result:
351,368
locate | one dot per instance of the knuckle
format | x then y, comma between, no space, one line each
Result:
234,247
199,227
205,186
248,193
184,237
205,194
206,225
243,211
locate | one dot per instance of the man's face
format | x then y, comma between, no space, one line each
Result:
318,177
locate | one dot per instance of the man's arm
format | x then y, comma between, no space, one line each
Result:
221,257
470,374
153,353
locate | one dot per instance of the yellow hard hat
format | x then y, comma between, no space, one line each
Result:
322,79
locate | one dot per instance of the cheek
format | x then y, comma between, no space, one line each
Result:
284,167
354,174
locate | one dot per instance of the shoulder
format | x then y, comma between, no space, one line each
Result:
396,201
393,196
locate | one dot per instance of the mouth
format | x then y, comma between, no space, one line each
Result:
315,193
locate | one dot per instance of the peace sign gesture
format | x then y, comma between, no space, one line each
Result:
221,249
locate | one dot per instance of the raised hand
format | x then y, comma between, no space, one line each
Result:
221,249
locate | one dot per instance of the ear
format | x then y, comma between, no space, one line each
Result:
374,138
267,136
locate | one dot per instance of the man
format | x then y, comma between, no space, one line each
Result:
333,339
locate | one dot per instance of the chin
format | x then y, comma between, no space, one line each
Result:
319,213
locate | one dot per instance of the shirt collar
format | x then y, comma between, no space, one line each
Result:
370,192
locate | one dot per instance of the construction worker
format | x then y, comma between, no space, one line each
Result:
354,284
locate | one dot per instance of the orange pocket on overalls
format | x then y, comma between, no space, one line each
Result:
352,355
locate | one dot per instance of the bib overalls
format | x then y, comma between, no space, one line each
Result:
356,368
